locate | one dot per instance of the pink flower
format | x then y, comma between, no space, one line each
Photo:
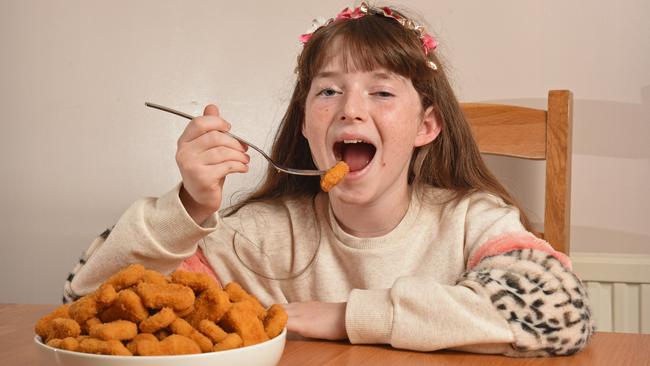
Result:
428,43
304,38
350,14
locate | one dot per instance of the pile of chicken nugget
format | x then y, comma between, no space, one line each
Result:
141,312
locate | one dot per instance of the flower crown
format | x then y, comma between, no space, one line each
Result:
428,43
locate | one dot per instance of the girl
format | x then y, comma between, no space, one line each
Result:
418,247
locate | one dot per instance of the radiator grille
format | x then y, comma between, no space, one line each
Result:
619,290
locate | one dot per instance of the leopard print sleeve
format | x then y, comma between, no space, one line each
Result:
68,294
534,289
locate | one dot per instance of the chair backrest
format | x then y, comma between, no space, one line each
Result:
534,134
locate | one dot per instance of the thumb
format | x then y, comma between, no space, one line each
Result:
211,110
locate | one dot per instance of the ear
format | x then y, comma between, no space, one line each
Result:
429,127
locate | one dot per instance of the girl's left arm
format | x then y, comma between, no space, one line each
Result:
518,297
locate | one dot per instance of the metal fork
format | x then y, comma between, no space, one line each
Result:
275,165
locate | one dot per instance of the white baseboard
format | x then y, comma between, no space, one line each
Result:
612,267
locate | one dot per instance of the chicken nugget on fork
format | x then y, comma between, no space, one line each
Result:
334,175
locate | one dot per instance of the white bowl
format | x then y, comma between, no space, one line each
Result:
262,354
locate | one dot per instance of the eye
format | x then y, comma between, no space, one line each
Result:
328,92
384,94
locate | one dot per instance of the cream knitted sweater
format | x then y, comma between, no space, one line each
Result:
410,288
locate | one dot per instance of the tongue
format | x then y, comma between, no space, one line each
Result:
357,156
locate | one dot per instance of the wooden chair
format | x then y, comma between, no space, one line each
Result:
534,134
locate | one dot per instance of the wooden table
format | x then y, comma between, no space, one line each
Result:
606,349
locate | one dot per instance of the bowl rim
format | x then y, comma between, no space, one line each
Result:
281,338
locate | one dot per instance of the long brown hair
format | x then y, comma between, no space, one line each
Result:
451,161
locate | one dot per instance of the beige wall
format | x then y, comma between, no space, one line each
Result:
77,145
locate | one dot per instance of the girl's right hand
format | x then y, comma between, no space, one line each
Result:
205,156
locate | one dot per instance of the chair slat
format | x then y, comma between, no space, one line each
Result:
557,217
508,130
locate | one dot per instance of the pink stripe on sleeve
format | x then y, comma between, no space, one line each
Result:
515,241
199,263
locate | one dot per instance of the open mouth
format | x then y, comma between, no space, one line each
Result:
356,153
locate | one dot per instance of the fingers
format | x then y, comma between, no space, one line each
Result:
222,154
200,125
211,110
212,139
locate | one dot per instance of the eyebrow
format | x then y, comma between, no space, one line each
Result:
376,74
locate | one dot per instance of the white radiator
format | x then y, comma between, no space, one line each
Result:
619,290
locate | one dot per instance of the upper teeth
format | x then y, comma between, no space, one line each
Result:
352,141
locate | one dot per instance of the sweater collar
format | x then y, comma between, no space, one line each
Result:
392,238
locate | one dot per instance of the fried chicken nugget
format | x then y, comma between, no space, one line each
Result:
173,295
275,321
90,305
162,334
105,295
119,330
212,304
127,277
60,328
173,345
55,342
334,175
43,324
197,281
151,276
69,344
84,309
157,321
98,346
85,327
182,327
242,320
128,306
238,294
231,341
64,327
178,345
132,346
212,330
185,312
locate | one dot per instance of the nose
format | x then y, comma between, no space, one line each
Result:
353,108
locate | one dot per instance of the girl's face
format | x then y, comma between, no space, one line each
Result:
372,120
